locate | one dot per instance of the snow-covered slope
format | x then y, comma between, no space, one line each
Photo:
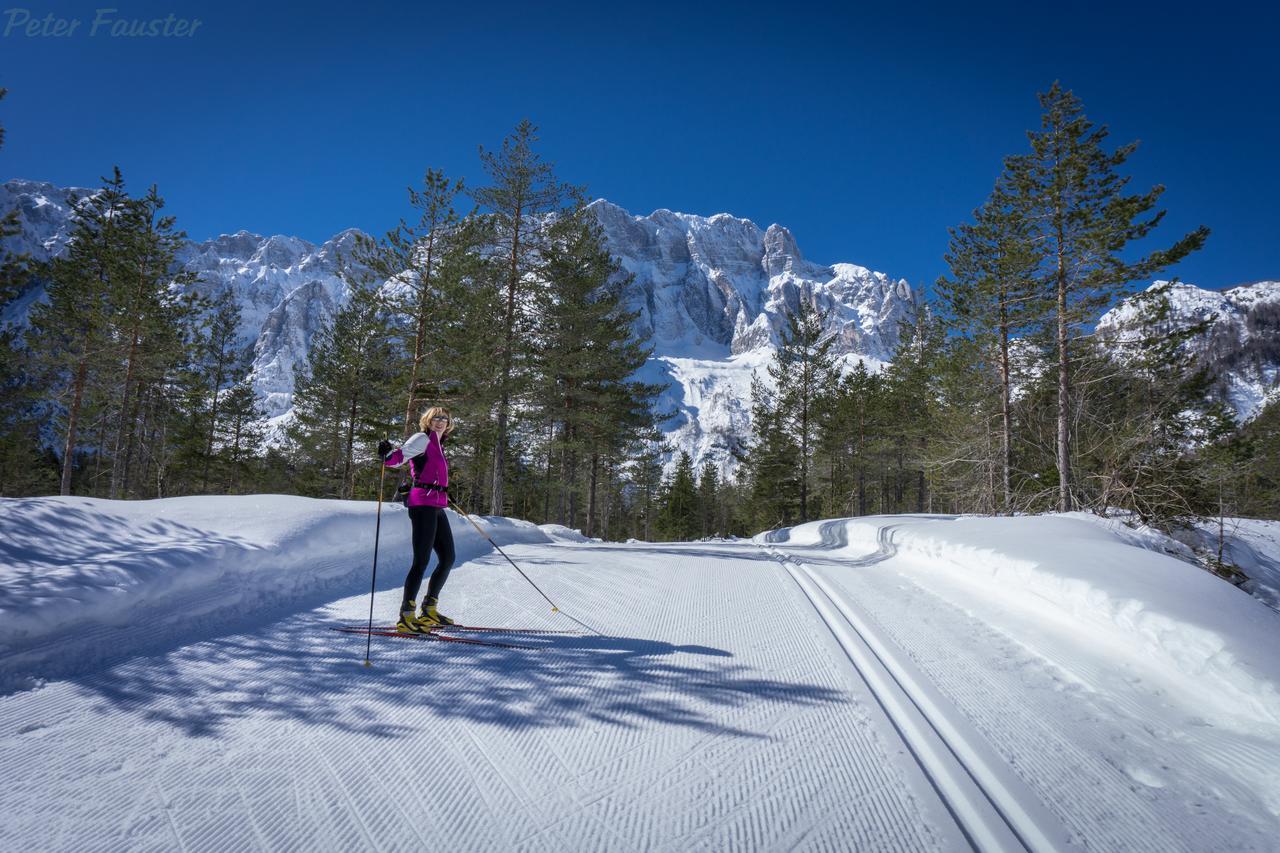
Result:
1242,345
921,683
712,292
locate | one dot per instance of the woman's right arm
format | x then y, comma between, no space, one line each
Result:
413,446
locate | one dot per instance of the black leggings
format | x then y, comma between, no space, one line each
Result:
430,531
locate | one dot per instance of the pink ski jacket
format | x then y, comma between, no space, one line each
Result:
427,465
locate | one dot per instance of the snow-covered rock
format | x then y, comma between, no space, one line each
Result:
1242,344
714,293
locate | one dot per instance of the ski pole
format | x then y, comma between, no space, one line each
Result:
377,532
554,608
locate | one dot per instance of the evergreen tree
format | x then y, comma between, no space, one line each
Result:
341,402
70,332
523,190
410,256
1072,195
224,364
587,353
1155,412
24,468
912,396
239,436
772,464
993,297
709,500
803,370
645,473
146,312
678,519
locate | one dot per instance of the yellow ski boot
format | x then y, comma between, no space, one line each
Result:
409,624
432,616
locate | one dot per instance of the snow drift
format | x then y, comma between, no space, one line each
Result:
86,580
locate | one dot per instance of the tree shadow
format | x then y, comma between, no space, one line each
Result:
302,672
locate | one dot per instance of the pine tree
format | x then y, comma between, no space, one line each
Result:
992,298
224,364
587,353
803,370
911,394
1071,192
239,435
1152,415
709,500
147,309
771,465
678,519
410,256
645,473
340,403
523,190
24,469
70,333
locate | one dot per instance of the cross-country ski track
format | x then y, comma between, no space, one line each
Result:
740,695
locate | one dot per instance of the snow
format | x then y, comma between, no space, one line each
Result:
107,567
909,683
1251,545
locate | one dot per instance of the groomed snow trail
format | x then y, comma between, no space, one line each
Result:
1095,741
995,811
716,714
779,695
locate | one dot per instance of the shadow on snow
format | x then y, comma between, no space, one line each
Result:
302,672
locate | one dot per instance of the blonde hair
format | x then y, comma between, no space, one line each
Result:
424,422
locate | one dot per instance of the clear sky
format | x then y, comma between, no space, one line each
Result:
867,129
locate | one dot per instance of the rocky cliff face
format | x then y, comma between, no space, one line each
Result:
720,286
714,294
1242,346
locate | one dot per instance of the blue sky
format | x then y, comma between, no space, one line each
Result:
867,130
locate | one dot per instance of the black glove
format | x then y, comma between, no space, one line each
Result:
384,448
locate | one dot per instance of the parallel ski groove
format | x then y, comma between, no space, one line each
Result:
991,814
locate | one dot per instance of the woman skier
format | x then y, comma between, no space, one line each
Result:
427,499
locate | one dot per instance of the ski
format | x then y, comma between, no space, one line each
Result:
430,636
479,628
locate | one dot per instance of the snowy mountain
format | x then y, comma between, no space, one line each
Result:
171,679
1242,346
712,292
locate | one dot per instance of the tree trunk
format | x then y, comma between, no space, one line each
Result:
1064,390
504,402
213,425
348,479
546,490
920,485
591,498
73,416
116,471
1006,418
1064,385
804,456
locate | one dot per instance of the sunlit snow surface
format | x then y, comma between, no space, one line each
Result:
170,682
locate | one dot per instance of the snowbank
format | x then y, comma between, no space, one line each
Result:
1254,546
85,579
1104,588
